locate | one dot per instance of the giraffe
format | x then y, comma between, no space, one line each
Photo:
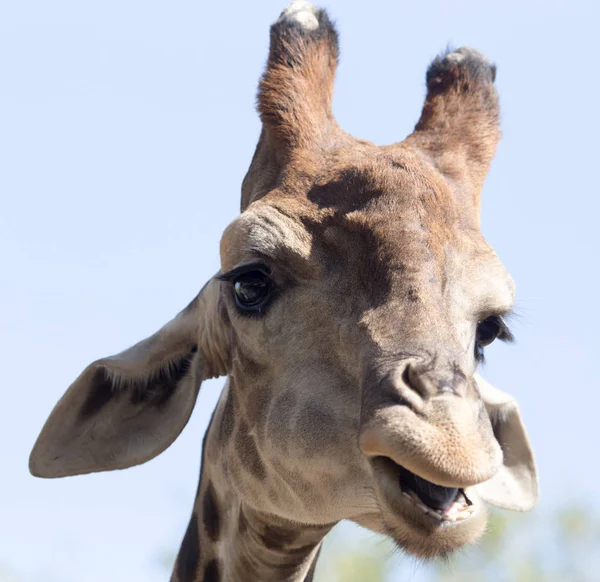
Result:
355,299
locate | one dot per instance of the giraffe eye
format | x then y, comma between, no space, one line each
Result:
488,330
253,287
252,290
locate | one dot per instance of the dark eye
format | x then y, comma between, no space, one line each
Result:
488,330
252,291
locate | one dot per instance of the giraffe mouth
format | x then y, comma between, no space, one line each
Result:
445,505
441,503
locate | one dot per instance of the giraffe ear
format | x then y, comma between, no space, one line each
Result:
515,485
126,409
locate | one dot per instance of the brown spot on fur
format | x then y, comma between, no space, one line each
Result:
210,514
339,236
189,553
242,523
356,187
212,572
412,294
277,538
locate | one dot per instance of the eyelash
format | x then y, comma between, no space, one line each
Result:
230,276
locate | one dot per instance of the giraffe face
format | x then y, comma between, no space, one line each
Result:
355,298
357,313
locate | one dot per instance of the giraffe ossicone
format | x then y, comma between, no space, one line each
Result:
302,12
355,299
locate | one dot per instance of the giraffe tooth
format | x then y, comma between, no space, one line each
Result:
423,508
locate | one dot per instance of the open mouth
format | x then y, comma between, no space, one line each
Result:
443,504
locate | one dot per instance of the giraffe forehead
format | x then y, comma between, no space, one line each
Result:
298,228
387,191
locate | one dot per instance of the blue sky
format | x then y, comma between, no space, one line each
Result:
125,131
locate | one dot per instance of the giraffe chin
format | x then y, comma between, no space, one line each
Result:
426,529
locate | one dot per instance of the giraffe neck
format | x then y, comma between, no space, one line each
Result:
227,541
269,550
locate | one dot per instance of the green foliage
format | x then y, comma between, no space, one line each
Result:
533,547
347,560
359,567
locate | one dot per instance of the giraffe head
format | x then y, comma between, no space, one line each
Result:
355,298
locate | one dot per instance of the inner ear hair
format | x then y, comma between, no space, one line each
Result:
155,388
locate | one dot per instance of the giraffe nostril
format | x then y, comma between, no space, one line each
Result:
428,382
406,375
416,380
